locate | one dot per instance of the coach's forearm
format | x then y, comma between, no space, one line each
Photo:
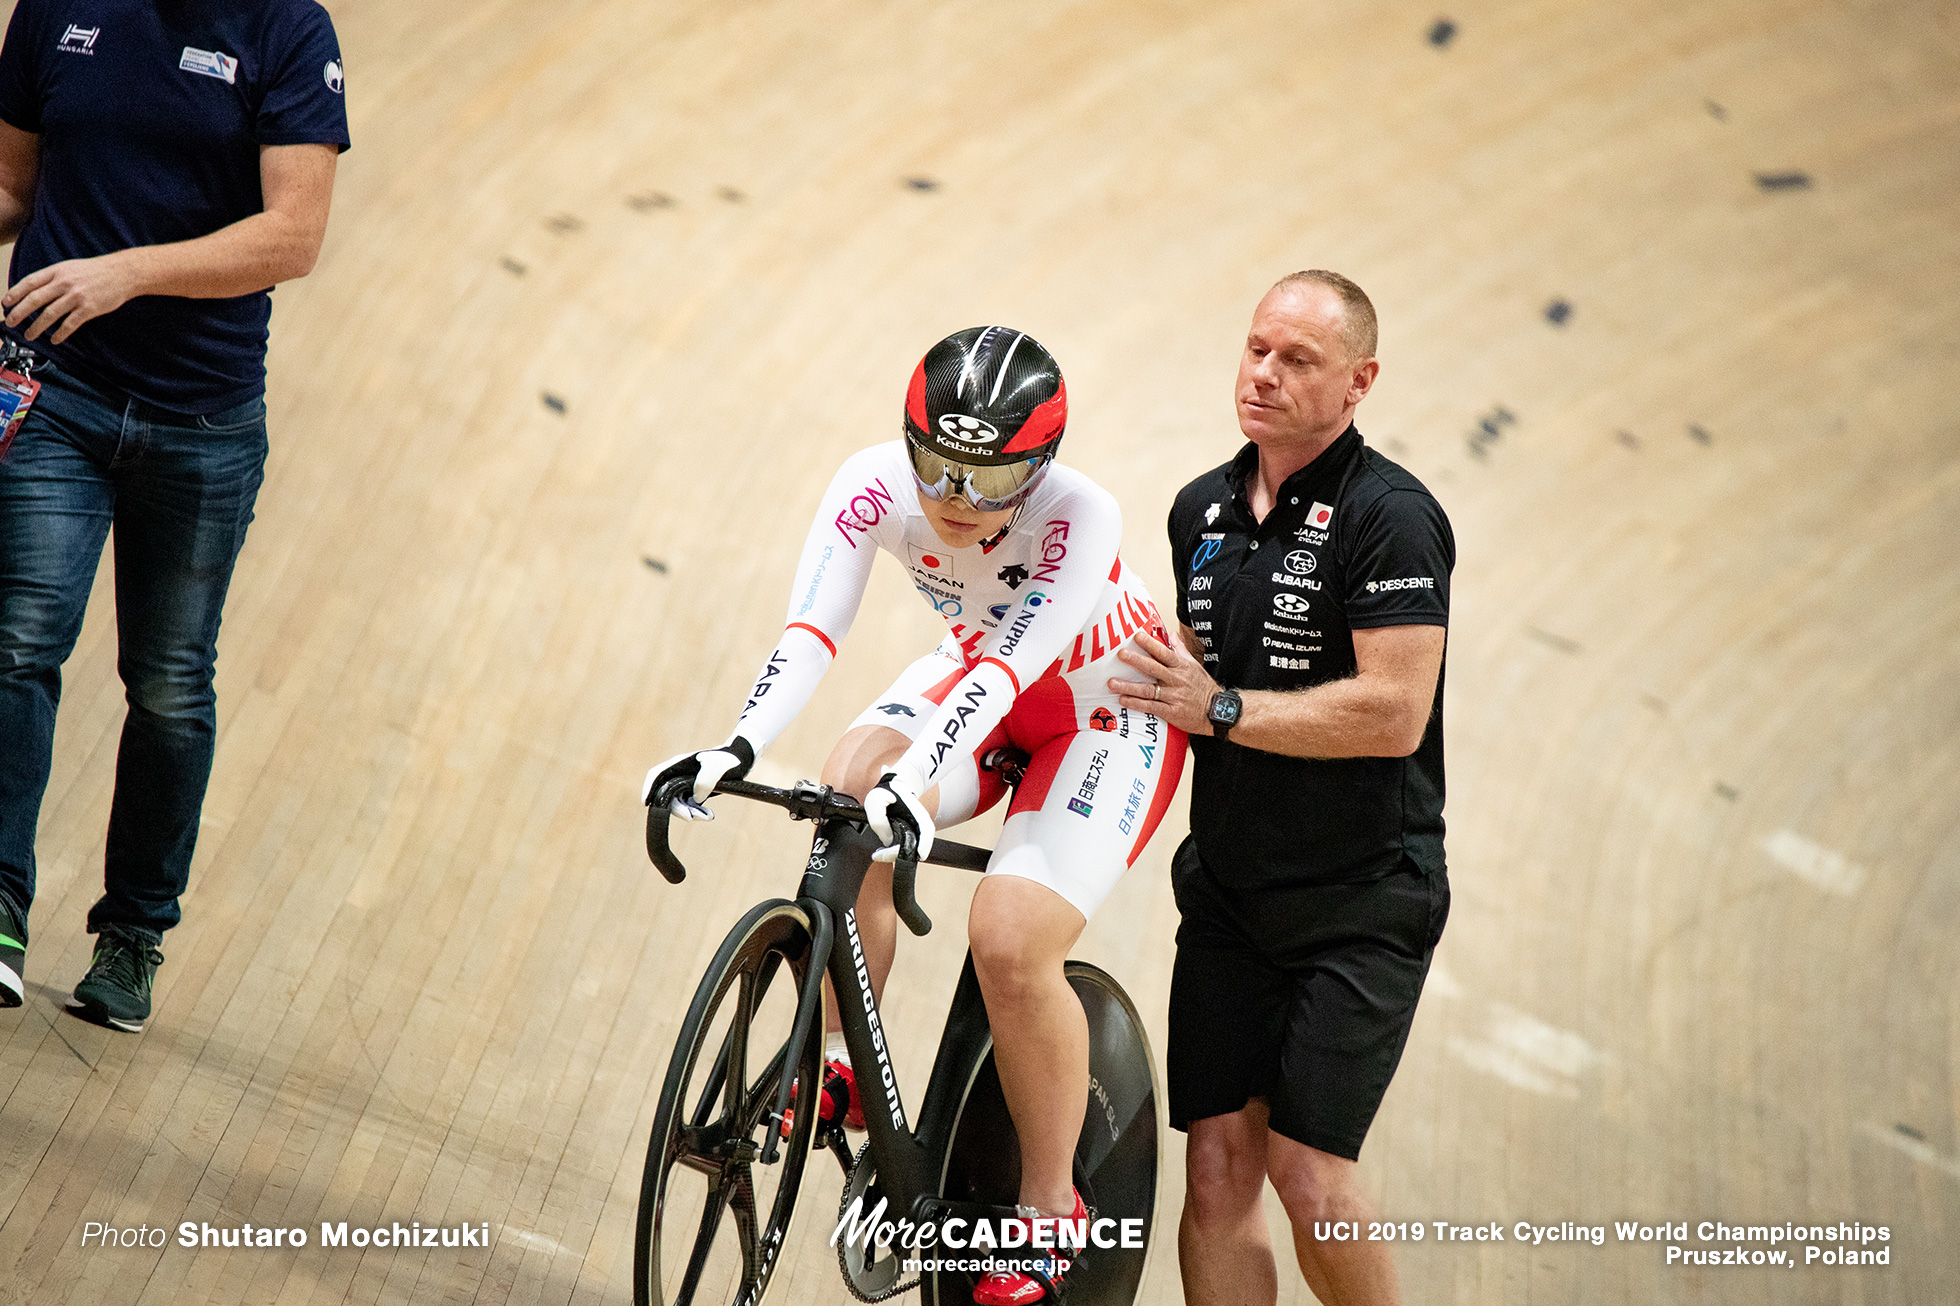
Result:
1357,717
249,255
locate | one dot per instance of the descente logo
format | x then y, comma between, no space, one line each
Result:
1405,583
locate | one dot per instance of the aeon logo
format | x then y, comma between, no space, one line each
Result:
967,430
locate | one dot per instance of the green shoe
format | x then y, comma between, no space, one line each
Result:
116,990
13,957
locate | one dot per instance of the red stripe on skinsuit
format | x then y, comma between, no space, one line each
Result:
804,625
1169,772
937,694
1004,667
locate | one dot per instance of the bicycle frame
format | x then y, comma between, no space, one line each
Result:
908,1161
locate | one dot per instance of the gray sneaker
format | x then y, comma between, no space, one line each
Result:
116,990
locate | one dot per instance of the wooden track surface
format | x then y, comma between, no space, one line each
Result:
1704,684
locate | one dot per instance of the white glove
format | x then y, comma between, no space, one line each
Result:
899,789
707,768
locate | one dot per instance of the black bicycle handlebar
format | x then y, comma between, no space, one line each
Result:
809,801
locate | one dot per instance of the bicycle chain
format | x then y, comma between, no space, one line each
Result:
844,1246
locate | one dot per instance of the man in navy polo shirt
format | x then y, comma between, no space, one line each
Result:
163,163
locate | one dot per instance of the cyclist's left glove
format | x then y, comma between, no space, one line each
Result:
705,769
897,799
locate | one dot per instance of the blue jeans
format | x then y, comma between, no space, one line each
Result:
179,492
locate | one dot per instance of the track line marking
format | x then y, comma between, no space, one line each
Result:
1912,1147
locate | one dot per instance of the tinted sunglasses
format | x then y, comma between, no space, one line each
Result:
987,488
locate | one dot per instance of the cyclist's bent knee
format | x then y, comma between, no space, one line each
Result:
861,759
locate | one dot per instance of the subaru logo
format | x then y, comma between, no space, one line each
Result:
1300,562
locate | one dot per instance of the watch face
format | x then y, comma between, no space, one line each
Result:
1224,709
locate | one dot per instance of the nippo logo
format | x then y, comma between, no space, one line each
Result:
967,430
1300,562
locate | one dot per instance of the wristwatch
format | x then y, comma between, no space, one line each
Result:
1224,712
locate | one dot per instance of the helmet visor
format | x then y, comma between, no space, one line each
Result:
987,488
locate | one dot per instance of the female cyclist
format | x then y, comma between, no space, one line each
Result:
1018,554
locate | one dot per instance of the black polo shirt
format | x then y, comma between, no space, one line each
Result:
151,114
1353,542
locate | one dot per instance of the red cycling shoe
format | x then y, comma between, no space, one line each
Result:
839,1098
1045,1280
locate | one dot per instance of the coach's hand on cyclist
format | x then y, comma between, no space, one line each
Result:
897,799
705,769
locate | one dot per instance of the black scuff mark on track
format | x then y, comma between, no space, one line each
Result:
1783,181
1558,312
729,193
653,564
1441,33
1559,642
649,200
1726,790
1700,435
564,224
1906,1129
1627,438
1489,428
924,184
512,266
554,403
1716,111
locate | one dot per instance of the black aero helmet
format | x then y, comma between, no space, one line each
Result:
984,415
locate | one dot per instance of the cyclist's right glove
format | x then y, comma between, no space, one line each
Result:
706,769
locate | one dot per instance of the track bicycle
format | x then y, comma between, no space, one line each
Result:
726,1158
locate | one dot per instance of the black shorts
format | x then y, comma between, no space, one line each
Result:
1302,996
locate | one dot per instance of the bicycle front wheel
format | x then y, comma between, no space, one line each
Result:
713,1215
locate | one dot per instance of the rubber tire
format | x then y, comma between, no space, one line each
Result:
773,935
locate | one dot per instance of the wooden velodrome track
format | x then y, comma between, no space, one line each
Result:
1704,684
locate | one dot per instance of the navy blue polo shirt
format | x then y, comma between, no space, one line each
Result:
151,114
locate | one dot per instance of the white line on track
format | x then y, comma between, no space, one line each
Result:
1830,871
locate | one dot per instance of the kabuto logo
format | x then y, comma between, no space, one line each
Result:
1300,562
967,430
78,40
1102,719
1290,605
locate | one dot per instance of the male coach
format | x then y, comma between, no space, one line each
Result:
1313,594
163,163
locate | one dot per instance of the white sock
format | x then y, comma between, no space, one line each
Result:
834,1048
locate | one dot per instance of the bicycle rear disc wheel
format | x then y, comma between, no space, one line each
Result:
1116,1154
713,1217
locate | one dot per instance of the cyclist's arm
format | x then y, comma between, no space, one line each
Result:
823,602
1078,538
